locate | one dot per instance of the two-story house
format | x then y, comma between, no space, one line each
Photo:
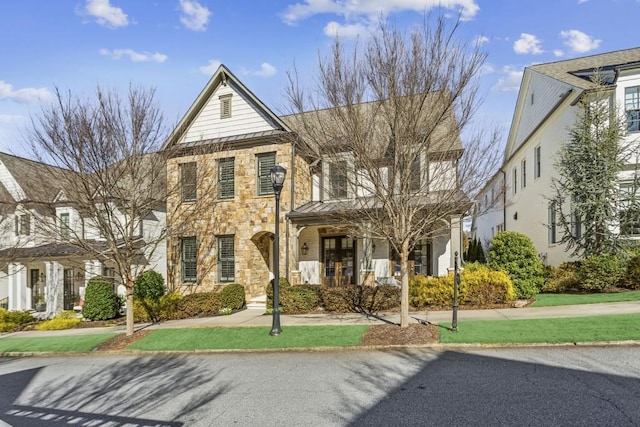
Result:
546,109
49,246
234,139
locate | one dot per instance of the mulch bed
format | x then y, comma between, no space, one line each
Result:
121,341
414,334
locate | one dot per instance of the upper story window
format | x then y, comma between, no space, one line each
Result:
188,176
338,180
225,106
226,178
632,108
515,180
523,168
415,180
23,225
537,153
64,225
265,163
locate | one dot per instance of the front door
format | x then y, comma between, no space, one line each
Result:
339,254
37,290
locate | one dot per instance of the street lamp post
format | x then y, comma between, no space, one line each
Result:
278,173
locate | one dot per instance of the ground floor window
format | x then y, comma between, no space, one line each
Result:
189,262
226,259
419,259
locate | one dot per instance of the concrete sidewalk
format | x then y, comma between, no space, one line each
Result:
256,317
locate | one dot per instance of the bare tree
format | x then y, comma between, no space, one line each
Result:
387,117
110,170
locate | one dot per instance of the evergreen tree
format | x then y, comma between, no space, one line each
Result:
586,190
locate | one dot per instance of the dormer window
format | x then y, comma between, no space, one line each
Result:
64,225
225,106
23,225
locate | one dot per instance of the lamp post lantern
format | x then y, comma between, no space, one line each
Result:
278,174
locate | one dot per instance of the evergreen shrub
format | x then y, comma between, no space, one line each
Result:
514,253
599,272
198,305
232,296
148,289
100,301
63,320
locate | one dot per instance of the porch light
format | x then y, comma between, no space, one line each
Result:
304,249
278,173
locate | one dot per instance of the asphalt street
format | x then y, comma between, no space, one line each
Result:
586,386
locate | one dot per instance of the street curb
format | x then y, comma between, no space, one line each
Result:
434,346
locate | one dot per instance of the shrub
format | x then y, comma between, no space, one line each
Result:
149,285
599,272
147,290
283,283
563,278
298,299
431,291
632,273
170,305
198,305
354,298
100,301
342,299
514,253
14,320
479,285
63,320
232,296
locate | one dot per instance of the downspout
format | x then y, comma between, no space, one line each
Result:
291,205
504,199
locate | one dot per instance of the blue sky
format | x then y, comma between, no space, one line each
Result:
175,45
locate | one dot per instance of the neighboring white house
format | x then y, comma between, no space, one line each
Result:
546,108
40,268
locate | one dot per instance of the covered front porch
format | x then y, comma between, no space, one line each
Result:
324,254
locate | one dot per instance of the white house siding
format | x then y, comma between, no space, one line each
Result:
244,118
546,93
527,209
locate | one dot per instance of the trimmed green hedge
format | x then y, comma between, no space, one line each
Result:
100,301
232,296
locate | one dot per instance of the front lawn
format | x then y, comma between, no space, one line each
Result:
547,300
619,327
250,338
65,343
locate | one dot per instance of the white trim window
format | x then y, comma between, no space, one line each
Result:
632,108
553,223
537,154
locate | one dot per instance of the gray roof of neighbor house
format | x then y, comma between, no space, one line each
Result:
439,124
323,211
576,71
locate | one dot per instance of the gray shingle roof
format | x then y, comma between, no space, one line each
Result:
561,70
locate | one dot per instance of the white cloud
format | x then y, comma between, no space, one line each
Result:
195,16
373,9
133,55
333,29
24,95
266,70
480,40
578,41
510,80
558,53
106,14
211,67
527,43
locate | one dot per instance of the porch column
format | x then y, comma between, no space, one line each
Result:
19,298
295,277
456,239
367,275
92,268
54,287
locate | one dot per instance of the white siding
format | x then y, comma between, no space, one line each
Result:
244,118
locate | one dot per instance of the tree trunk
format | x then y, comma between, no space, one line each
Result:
404,294
129,312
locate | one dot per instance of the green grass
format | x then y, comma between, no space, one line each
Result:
251,338
547,300
564,330
68,343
